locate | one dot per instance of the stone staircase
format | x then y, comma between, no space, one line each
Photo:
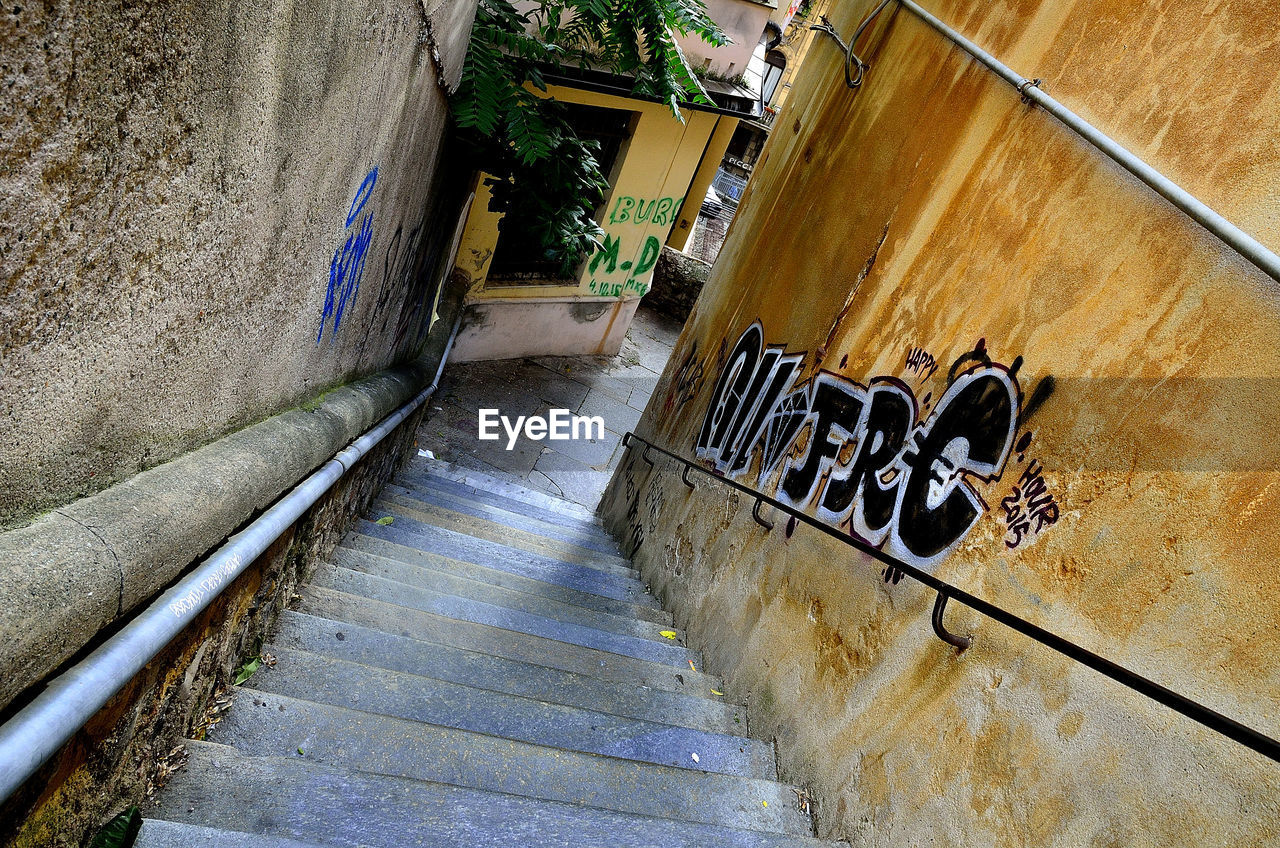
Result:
485,670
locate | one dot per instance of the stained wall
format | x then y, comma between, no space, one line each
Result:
742,22
209,213
934,241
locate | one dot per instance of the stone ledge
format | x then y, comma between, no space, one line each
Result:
77,569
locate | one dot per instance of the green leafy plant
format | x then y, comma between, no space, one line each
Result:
253,663
540,169
120,832
247,670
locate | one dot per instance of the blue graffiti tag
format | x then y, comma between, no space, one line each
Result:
348,261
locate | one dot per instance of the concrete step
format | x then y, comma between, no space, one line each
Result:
453,489
273,725
436,581
444,540
592,538
427,515
166,834
292,798
357,545
507,644
493,485
323,679
480,612
456,546
354,643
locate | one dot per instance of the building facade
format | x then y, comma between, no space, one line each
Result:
658,167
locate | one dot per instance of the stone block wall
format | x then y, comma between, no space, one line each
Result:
677,281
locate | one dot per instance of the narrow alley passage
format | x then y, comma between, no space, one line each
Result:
616,388
947,518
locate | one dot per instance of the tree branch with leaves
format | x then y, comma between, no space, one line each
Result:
520,136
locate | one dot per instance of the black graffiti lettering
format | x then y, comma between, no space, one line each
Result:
1017,523
857,491
780,430
922,362
782,371
750,399
687,381
730,389
866,460
970,433
833,414
1030,501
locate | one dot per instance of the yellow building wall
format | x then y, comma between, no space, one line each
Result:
800,39
933,219
706,172
656,168
479,237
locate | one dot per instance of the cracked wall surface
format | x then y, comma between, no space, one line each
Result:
932,225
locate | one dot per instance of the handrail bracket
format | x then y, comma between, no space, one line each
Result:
940,629
761,520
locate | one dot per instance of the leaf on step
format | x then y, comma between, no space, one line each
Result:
692,666
670,634
246,671
384,520
300,754
120,832
717,692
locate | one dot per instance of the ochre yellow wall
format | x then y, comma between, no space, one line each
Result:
709,164
799,40
479,236
656,167
933,210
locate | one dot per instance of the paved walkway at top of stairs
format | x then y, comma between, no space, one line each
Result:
615,388
481,669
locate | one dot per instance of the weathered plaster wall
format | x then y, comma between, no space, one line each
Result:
208,213
890,232
743,22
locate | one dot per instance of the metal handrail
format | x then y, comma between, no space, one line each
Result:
40,729
1193,710
1031,92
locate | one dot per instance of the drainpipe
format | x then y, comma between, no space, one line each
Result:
40,730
